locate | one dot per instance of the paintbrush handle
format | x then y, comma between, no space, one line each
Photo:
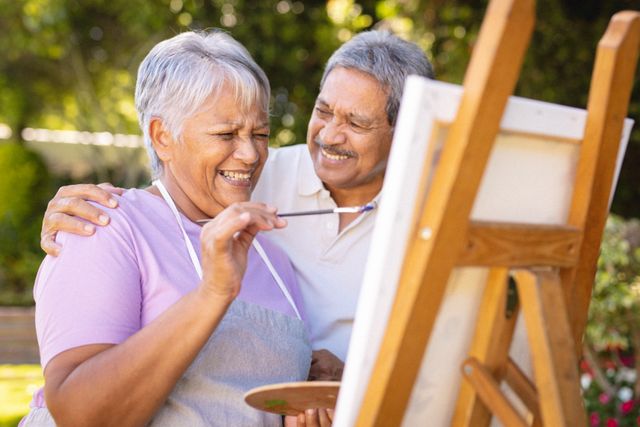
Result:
320,212
353,209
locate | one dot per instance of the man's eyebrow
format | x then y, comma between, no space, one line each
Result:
352,115
362,120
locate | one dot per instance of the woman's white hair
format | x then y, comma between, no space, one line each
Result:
178,75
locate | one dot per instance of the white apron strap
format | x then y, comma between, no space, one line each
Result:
196,262
192,252
275,275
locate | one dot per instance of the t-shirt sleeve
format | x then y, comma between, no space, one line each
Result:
90,293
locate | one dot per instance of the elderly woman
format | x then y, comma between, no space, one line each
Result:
156,319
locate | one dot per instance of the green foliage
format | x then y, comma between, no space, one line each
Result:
17,385
614,314
71,64
24,189
610,371
557,66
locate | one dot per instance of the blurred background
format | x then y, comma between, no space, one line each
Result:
67,77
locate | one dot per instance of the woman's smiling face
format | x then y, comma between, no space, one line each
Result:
219,156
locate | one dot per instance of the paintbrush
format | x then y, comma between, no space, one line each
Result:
346,209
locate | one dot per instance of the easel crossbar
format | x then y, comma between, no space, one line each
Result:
494,244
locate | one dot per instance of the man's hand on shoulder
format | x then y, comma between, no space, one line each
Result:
325,366
69,210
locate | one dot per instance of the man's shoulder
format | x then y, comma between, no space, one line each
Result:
281,173
286,157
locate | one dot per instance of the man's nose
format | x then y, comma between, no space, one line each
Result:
332,133
246,151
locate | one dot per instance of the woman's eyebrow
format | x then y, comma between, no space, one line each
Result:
228,123
235,123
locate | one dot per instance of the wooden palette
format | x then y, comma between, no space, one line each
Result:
294,398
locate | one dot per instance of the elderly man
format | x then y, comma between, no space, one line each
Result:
348,142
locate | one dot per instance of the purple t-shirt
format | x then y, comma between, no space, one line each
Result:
104,288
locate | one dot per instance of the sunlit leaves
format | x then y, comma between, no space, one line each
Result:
615,306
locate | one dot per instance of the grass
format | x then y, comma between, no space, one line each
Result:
17,385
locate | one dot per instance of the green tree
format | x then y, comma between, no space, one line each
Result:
71,64
612,335
24,189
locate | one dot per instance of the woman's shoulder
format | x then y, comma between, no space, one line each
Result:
134,215
134,205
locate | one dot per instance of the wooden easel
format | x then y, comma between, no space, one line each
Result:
549,264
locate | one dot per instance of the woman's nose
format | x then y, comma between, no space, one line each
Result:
247,151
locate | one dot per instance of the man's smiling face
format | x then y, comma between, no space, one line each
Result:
349,135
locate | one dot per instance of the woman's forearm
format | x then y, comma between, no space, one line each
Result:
127,383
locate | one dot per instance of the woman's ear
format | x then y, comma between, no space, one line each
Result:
161,139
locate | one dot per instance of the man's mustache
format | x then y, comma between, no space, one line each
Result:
333,150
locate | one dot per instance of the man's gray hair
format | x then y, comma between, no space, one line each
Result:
387,58
180,73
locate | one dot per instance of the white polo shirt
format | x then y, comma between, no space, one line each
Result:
329,265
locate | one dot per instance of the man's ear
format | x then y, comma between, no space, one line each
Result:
161,139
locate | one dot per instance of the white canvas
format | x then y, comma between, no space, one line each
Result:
528,179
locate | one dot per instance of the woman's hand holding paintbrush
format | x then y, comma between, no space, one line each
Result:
349,209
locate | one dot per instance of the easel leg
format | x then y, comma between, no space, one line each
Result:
490,347
552,347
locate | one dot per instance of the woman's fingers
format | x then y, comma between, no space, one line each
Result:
225,243
241,222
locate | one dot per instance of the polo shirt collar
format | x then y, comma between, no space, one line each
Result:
308,181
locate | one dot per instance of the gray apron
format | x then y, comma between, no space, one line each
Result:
252,346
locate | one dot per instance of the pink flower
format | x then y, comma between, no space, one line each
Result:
604,398
594,419
626,407
627,361
612,422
